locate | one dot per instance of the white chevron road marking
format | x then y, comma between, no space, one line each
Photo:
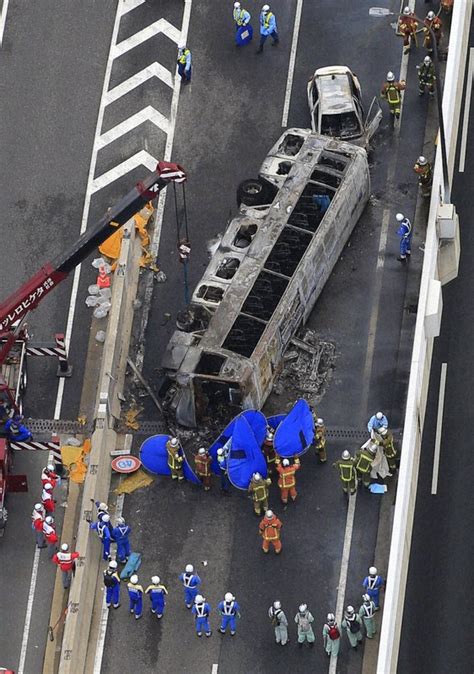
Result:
153,70
160,26
148,114
141,158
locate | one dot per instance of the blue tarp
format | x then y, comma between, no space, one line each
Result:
154,457
257,422
295,433
243,35
245,456
275,420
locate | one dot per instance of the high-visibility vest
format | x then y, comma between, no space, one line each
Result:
182,58
369,609
187,578
228,608
174,462
239,16
393,95
388,447
259,490
202,465
201,610
372,582
346,470
320,438
266,20
364,461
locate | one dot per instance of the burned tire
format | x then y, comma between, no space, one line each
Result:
252,192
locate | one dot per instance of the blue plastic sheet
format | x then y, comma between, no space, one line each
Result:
245,456
295,433
257,422
275,420
154,457
243,35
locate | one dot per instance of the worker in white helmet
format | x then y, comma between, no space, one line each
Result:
191,583
320,439
175,459
157,592
287,478
407,27
373,583
48,474
135,595
230,612
241,16
269,529
424,171
201,610
426,76
112,585
279,622
378,420
331,636
405,233
184,63
391,92
258,488
268,27
66,561
347,472
202,463
432,23
352,623
303,619
268,449
367,613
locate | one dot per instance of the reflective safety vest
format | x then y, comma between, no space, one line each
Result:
373,582
346,470
135,591
259,490
393,95
266,20
203,464
156,589
270,529
364,461
174,459
239,16
388,447
182,58
188,580
228,608
368,609
202,610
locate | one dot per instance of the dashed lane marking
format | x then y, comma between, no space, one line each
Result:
29,612
467,107
3,19
439,429
291,65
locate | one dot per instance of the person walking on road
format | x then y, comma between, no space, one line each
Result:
426,77
50,535
258,488
201,610
184,63
386,440
230,612
347,472
367,613
270,532
202,462
67,563
49,475
191,583
303,619
378,420
424,172
407,27
102,526
363,462
157,593
352,624
287,479
279,622
135,595
120,535
240,15
434,22
391,92
175,459
331,636
112,585
47,499
373,583
267,27
37,518
405,233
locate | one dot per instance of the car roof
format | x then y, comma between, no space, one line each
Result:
334,90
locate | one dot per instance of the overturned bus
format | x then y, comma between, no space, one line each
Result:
265,277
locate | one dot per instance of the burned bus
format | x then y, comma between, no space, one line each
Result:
266,275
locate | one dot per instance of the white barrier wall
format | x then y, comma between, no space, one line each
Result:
421,359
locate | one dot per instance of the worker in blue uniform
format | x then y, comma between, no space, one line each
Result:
191,583
373,583
16,431
184,63
112,585
230,611
135,595
405,233
201,610
103,531
120,535
267,27
157,593
377,421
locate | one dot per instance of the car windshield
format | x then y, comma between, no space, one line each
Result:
343,125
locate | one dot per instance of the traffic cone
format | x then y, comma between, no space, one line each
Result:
103,280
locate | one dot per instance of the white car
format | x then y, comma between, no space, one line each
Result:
335,105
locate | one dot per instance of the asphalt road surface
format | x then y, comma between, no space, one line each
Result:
438,604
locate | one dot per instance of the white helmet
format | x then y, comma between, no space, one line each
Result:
366,597
229,596
422,160
199,599
38,506
237,5
383,430
345,455
270,433
277,604
269,514
285,462
105,518
257,476
113,564
174,441
372,571
350,610
427,60
390,76
302,608
319,422
189,568
155,580
220,451
120,520
49,520
430,16
50,467
379,415
399,217
265,8
331,618
134,579
202,451
406,10
48,486
64,547
103,506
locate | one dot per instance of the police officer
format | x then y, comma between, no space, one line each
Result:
157,593
201,611
112,585
391,92
175,459
347,472
405,233
352,624
267,27
320,440
184,63
426,77
135,595
202,462
258,488
120,535
230,611
386,440
373,583
191,583
363,462
424,172
367,613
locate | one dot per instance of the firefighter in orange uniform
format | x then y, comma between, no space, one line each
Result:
407,25
270,532
287,479
434,22
269,451
202,462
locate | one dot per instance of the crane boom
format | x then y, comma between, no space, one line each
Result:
28,296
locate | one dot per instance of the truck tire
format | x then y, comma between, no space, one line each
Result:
252,192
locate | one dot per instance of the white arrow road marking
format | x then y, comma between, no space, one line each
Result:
160,26
3,18
141,158
148,114
153,70
126,6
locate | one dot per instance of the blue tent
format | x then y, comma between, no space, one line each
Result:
257,422
275,420
245,455
295,432
154,457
